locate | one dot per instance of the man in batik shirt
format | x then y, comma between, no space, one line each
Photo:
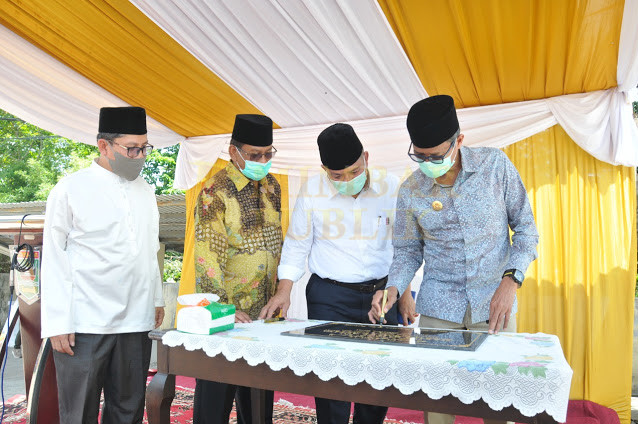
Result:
238,241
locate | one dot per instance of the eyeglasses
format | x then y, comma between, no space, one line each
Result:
417,157
134,152
255,157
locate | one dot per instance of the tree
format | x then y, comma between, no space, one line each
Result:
159,169
33,160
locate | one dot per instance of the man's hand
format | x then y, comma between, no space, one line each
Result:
375,311
241,316
159,316
407,307
501,305
281,300
63,343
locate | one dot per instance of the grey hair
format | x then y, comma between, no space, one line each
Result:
236,143
455,136
110,137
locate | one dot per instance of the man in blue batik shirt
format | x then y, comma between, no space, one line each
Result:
454,216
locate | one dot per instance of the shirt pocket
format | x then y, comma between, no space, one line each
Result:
383,231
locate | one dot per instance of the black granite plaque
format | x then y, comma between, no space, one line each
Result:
403,336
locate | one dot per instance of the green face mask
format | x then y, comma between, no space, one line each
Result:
255,170
435,170
352,187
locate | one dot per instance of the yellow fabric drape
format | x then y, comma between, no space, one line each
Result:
187,283
581,287
495,51
117,47
491,52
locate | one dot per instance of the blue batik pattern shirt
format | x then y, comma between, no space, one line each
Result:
461,235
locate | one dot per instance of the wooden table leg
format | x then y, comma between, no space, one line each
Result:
258,405
159,396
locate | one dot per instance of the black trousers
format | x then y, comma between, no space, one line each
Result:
327,301
116,362
213,402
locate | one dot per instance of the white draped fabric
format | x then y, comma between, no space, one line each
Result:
589,118
299,62
335,65
599,122
45,92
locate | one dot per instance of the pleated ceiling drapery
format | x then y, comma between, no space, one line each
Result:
515,69
115,45
493,51
49,94
299,62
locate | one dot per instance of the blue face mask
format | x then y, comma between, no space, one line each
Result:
352,187
435,170
255,170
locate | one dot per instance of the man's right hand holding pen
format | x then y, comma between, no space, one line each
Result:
375,310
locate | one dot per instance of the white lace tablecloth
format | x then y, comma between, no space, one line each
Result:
526,371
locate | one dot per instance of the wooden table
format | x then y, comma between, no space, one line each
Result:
172,361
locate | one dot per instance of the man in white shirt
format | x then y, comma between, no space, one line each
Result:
101,286
341,224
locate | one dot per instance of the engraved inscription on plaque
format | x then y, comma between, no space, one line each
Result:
403,336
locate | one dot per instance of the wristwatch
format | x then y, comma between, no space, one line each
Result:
515,275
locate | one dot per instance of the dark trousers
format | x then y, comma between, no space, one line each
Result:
213,402
117,363
327,301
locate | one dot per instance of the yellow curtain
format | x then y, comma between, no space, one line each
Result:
581,287
493,51
498,51
120,49
187,283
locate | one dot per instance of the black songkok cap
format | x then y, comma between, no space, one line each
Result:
339,146
432,121
123,120
254,130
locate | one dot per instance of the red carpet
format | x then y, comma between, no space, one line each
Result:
304,406
290,409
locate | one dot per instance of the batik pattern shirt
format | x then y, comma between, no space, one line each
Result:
238,239
461,235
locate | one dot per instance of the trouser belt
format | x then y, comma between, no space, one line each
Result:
366,287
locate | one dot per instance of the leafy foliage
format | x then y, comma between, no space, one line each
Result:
635,109
33,160
159,169
172,266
